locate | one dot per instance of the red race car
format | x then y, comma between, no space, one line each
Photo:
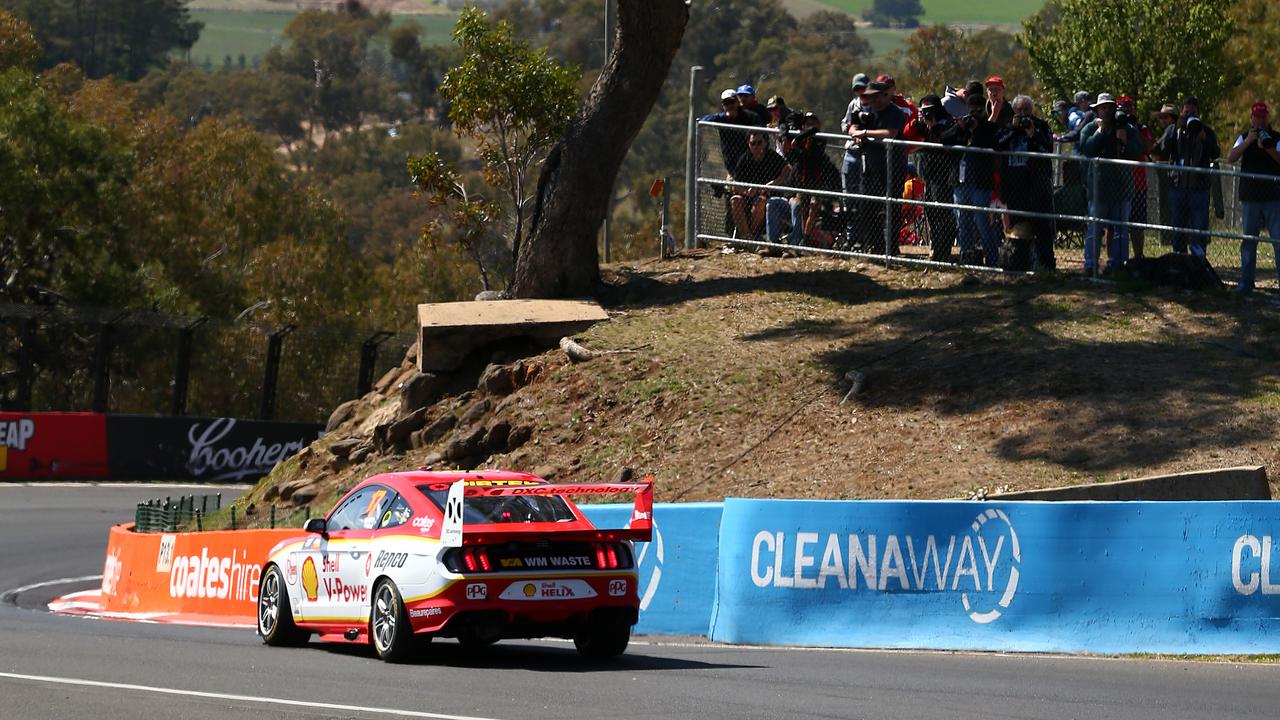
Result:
479,556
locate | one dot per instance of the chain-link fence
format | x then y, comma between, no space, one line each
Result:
197,513
999,200
63,358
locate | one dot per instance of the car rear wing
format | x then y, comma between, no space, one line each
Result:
639,528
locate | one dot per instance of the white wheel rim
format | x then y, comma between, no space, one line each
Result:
384,617
269,604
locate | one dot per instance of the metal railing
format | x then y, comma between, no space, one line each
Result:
197,513
1002,210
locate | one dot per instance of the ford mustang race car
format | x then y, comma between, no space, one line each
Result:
482,556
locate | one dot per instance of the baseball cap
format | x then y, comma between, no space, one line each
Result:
1104,99
930,101
995,80
886,79
1259,109
775,101
745,89
860,81
1080,95
729,94
1126,101
1060,105
877,87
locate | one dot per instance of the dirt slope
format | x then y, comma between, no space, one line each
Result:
726,375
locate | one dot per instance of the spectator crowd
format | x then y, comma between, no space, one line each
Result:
983,152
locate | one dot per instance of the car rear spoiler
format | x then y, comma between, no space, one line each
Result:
639,528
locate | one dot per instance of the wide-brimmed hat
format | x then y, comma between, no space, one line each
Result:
1168,109
1103,99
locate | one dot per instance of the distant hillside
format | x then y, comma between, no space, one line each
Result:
989,12
399,7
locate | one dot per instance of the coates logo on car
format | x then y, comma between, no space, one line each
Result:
424,524
205,576
980,565
207,460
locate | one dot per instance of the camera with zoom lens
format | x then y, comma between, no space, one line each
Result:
1194,125
867,119
1123,119
1266,140
1024,122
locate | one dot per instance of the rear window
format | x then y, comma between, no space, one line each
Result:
506,509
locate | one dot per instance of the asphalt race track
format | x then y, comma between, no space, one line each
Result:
63,667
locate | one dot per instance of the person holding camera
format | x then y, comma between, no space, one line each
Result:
883,166
1111,137
760,166
975,183
1026,183
1255,149
810,169
1189,143
851,172
935,167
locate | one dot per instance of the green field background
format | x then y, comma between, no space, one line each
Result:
229,32
982,12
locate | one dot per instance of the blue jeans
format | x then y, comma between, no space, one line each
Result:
973,225
1189,209
851,173
1258,215
774,212
1118,247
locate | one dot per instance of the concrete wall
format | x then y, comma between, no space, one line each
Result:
1237,483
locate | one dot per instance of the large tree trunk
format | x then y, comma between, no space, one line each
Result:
558,257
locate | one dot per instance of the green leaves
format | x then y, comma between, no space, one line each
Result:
1154,50
18,46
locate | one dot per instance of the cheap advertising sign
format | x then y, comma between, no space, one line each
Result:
52,445
207,449
1092,577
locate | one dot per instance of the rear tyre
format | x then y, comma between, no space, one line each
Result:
275,618
603,639
389,628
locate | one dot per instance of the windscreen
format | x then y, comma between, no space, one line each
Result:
505,508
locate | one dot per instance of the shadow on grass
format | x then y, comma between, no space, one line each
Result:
1088,378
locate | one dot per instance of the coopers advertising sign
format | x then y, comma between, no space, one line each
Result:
205,449
1095,577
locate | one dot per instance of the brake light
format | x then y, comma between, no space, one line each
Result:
606,556
469,560
472,559
484,560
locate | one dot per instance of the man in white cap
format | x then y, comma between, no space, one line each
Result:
1104,138
733,142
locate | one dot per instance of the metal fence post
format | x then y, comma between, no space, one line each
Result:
271,371
888,206
690,169
26,364
369,360
102,367
1094,185
182,368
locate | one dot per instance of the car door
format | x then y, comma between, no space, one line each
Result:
332,565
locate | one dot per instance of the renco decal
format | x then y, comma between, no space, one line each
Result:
221,463
1249,553
201,576
982,565
16,433
390,559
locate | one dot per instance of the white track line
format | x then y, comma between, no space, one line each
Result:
237,698
46,583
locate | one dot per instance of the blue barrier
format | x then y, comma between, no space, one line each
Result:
678,569
1016,576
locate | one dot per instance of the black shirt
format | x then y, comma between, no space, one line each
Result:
1257,161
759,172
977,169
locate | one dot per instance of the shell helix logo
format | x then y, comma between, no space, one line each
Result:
530,590
310,580
981,565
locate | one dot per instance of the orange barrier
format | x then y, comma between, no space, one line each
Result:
211,575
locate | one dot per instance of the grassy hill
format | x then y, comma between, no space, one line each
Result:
988,12
728,378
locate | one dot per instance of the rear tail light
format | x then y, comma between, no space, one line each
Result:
611,556
471,559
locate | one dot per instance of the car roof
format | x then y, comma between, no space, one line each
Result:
402,481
